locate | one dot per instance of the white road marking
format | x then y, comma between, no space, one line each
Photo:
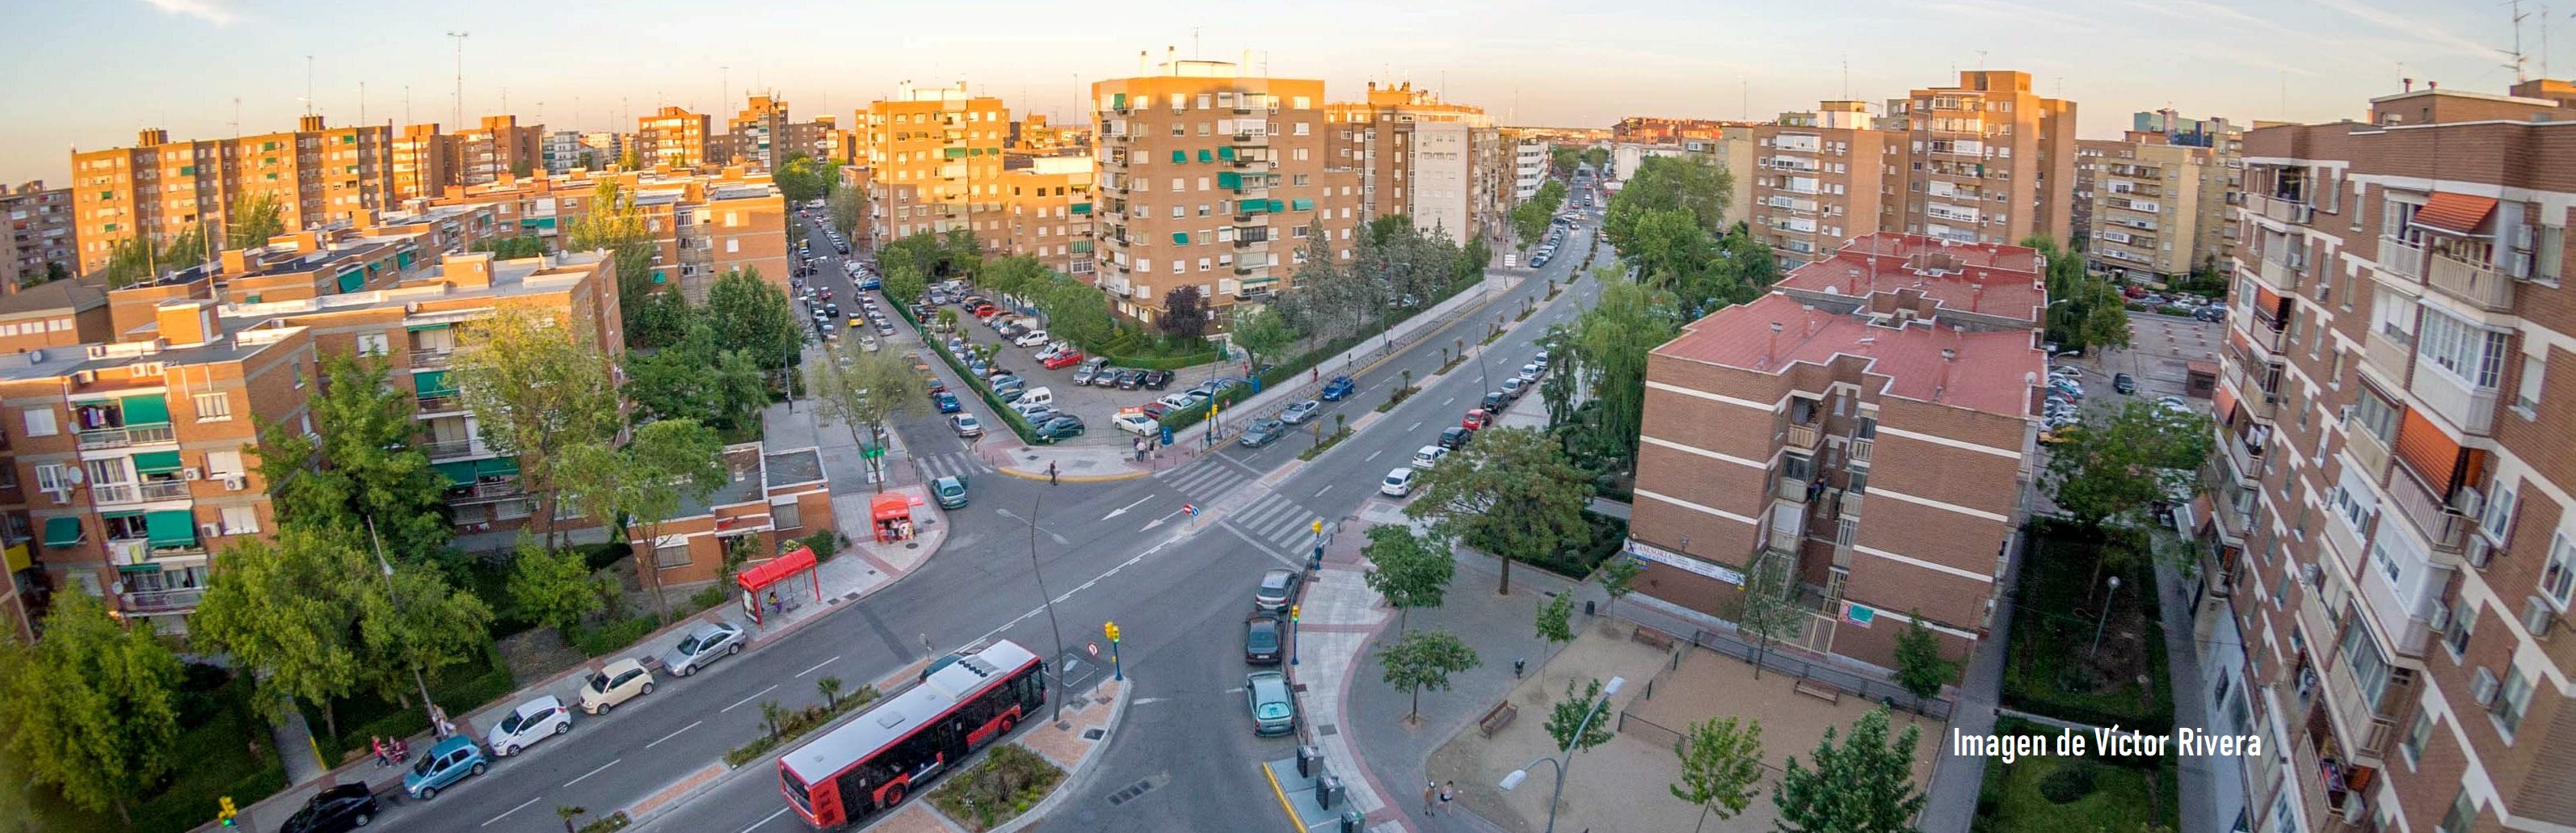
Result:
1033,612
522,806
1123,509
772,817
602,768
1449,401
675,733
1417,424
1320,492
1144,700
754,696
1373,455
818,666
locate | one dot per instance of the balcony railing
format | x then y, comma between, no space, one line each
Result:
432,358
2279,275
165,490
113,493
129,435
2286,211
2397,257
2247,458
2368,731
2444,529
2470,408
1789,489
440,403
2366,449
453,449
485,493
161,601
2317,799
2387,353
1802,435
2479,286
1861,448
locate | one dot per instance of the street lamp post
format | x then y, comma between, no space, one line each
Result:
417,678
1567,754
1056,659
2105,617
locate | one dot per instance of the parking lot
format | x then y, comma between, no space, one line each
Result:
1096,406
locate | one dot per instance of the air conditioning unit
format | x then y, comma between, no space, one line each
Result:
210,531
235,482
2538,616
2483,687
2309,574
2441,618
84,377
192,474
2480,552
144,369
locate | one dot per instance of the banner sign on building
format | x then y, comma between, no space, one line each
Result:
1659,555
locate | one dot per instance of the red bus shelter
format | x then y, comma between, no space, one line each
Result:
799,561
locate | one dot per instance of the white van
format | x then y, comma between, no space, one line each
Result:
1036,396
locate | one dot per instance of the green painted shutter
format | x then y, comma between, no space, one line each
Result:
147,410
432,383
156,462
1181,237
1180,156
62,532
351,280
460,473
174,528
1082,208
1206,155
1118,101
426,327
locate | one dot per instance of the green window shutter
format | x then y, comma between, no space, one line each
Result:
62,532
174,528
1226,153
1277,206
187,170
1229,179
1118,101
147,410
459,473
1181,237
1206,155
954,153
402,260
1082,208
156,462
1180,156
351,280
659,278
432,383
1303,205
497,467
272,177
111,227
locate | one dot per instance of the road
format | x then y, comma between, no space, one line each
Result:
1109,551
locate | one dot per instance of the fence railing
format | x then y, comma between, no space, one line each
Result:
1851,682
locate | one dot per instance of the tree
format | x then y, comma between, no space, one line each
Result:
138,260
847,206
861,391
644,484
803,178
1618,575
1511,493
359,466
830,688
695,379
92,708
616,226
1529,224
537,388
569,813
1721,767
661,321
1605,354
512,248
1424,659
1260,331
2084,310
1184,313
282,610
1691,183
553,587
1568,716
1767,609
1075,311
254,219
412,623
1597,158
1866,785
1409,570
1556,619
1920,667
754,316
2109,470
1561,159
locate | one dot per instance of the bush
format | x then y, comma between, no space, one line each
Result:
825,544
1008,782
2072,781
610,638
459,689
1578,560
614,821
707,598
218,727
797,723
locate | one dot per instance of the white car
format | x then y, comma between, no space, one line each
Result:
870,342
1179,401
1033,339
1137,424
532,721
1428,456
703,646
1399,483
966,425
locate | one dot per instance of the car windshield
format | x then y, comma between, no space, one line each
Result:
1271,710
689,645
424,767
512,723
599,682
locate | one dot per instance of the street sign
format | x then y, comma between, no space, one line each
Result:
1093,647
1192,509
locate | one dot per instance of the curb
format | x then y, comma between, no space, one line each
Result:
1074,478
1083,770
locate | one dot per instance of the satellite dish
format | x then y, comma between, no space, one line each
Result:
74,475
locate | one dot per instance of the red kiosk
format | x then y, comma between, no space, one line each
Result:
757,579
890,514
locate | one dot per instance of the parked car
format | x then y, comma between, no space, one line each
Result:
336,809
452,760
966,425
950,491
1278,591
947,403
1428,456
1494,401
1063,427
1263,432
1136,422
1089,371
1179,401
532,721
1340,388
1068,359
1298,412
1156,379
2124,384
1530,373
1398,483
1454,437
1130,379
1274,712
1262,640
1514,387
702,647
1475,419
1155,409
618,682
1032,339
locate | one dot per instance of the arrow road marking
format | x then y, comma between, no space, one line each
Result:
602,768
522,806
1159,521
1123,509
817,666
754,695
676,732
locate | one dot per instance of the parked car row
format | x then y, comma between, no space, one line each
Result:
1399,482
1267,694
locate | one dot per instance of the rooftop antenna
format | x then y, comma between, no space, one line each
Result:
1194,44
1981,60
1846,76
724,85
2519,74
308,85
406,104
460,78
362,102
1744,87
236,117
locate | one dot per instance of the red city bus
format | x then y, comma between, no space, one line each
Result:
965,701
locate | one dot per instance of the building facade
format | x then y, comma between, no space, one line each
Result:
1049,211
2152,211
159,189
1212,179
673,137
704,225
497,149
1986,161
42,240
935,162
1417,155
1815,180
1762,434
1529,169
2389,527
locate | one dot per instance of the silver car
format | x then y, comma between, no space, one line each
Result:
1297,414
702,646
532,721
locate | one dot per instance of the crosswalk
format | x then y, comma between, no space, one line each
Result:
1262,515
1205,481
951,464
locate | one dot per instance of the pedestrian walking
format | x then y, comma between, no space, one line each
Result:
1430,791
1519,663
377,743
1050,472
1448,792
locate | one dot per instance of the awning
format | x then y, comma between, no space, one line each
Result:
2433,455
1226,153
156,462
1181,156
2224,405
62,532
771,572
1181,238
351,280
147,410
1302,205
496,467
460,473
889,506
16,557
424,327
2267,302
1206,155
430,383
2455,213
174,528
145,567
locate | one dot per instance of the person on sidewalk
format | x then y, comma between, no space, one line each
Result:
376,743
1448,792
1430,791
1050,472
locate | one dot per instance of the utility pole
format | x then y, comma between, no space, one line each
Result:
308,85
460,78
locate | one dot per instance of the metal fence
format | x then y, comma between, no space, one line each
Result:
1849,681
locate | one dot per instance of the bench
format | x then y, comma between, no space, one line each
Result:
1501,716
1820,691
1649,636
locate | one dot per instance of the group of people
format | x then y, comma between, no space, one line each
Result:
394,750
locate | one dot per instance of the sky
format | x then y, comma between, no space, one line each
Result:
197,67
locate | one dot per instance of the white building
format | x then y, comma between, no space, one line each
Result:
1529,168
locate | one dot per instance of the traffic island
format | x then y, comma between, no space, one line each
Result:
1010,780
1316,799
1014,785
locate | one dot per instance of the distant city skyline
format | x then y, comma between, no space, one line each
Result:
116,66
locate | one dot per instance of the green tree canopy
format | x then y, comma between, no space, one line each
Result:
91,709
696,379
1511,493
863,390
1407,569
1424,659
615,225
1691,183
1721,766
1863,785
2109,470
1767,609
534,393
1567,717
803,178
645,483
1556,619
1605,354
512,248
1261,331
360,463
1920,667
553,587
754,316
254,219
282,609
1184,313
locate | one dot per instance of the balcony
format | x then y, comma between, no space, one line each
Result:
2245,455
2386,353
2446,530
1861,448
2367,451
432,358
161,601
2473,284
1802,435
1789,489
2397,257
2283,210
441,403
2368,730
129,435
2280,275
164,490
455,449
2471,408
492,492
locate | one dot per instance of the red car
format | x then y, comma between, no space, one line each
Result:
1475,421
985,311
1068,359
1155,410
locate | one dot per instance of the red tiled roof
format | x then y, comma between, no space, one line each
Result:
2455,213
1983,278
1992,372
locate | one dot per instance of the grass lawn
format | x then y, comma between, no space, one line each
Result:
2054,668
2122,801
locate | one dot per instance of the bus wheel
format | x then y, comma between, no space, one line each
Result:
894,795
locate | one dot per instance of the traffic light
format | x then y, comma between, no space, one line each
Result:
226,814
1292,612
1111,630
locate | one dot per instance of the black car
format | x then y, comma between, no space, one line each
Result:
1494,402
1130,379
1157,379
2124,383
1261,639
344,807
1455,437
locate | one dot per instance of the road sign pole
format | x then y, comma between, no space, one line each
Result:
1292,633
1117,671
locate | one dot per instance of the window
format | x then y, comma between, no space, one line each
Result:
2391,314
787,515
49,478
2526,396
2361,654
373,344
40,421
2413,745
673,552
2559,577
2473,354
1797,467
239,520
2511,701
2463,814
2375,416
2497,519
2456,636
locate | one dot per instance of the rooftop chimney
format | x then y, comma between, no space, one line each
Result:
471,270
308,124
150,137
186,321
1948,356
2410,84
1772,353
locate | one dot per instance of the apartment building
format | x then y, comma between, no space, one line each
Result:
158,188
1049,210
1986,161
1212,178
424,162
1814,180
2390,535
935,162
1529,169
41,239
51,315
1035,133
756,136
1762,423
704,224
497,149
608,147
561,151
673,137
1649,130
821,138
1418,155
768,497
2152,211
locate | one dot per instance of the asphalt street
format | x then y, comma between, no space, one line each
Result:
1106,551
